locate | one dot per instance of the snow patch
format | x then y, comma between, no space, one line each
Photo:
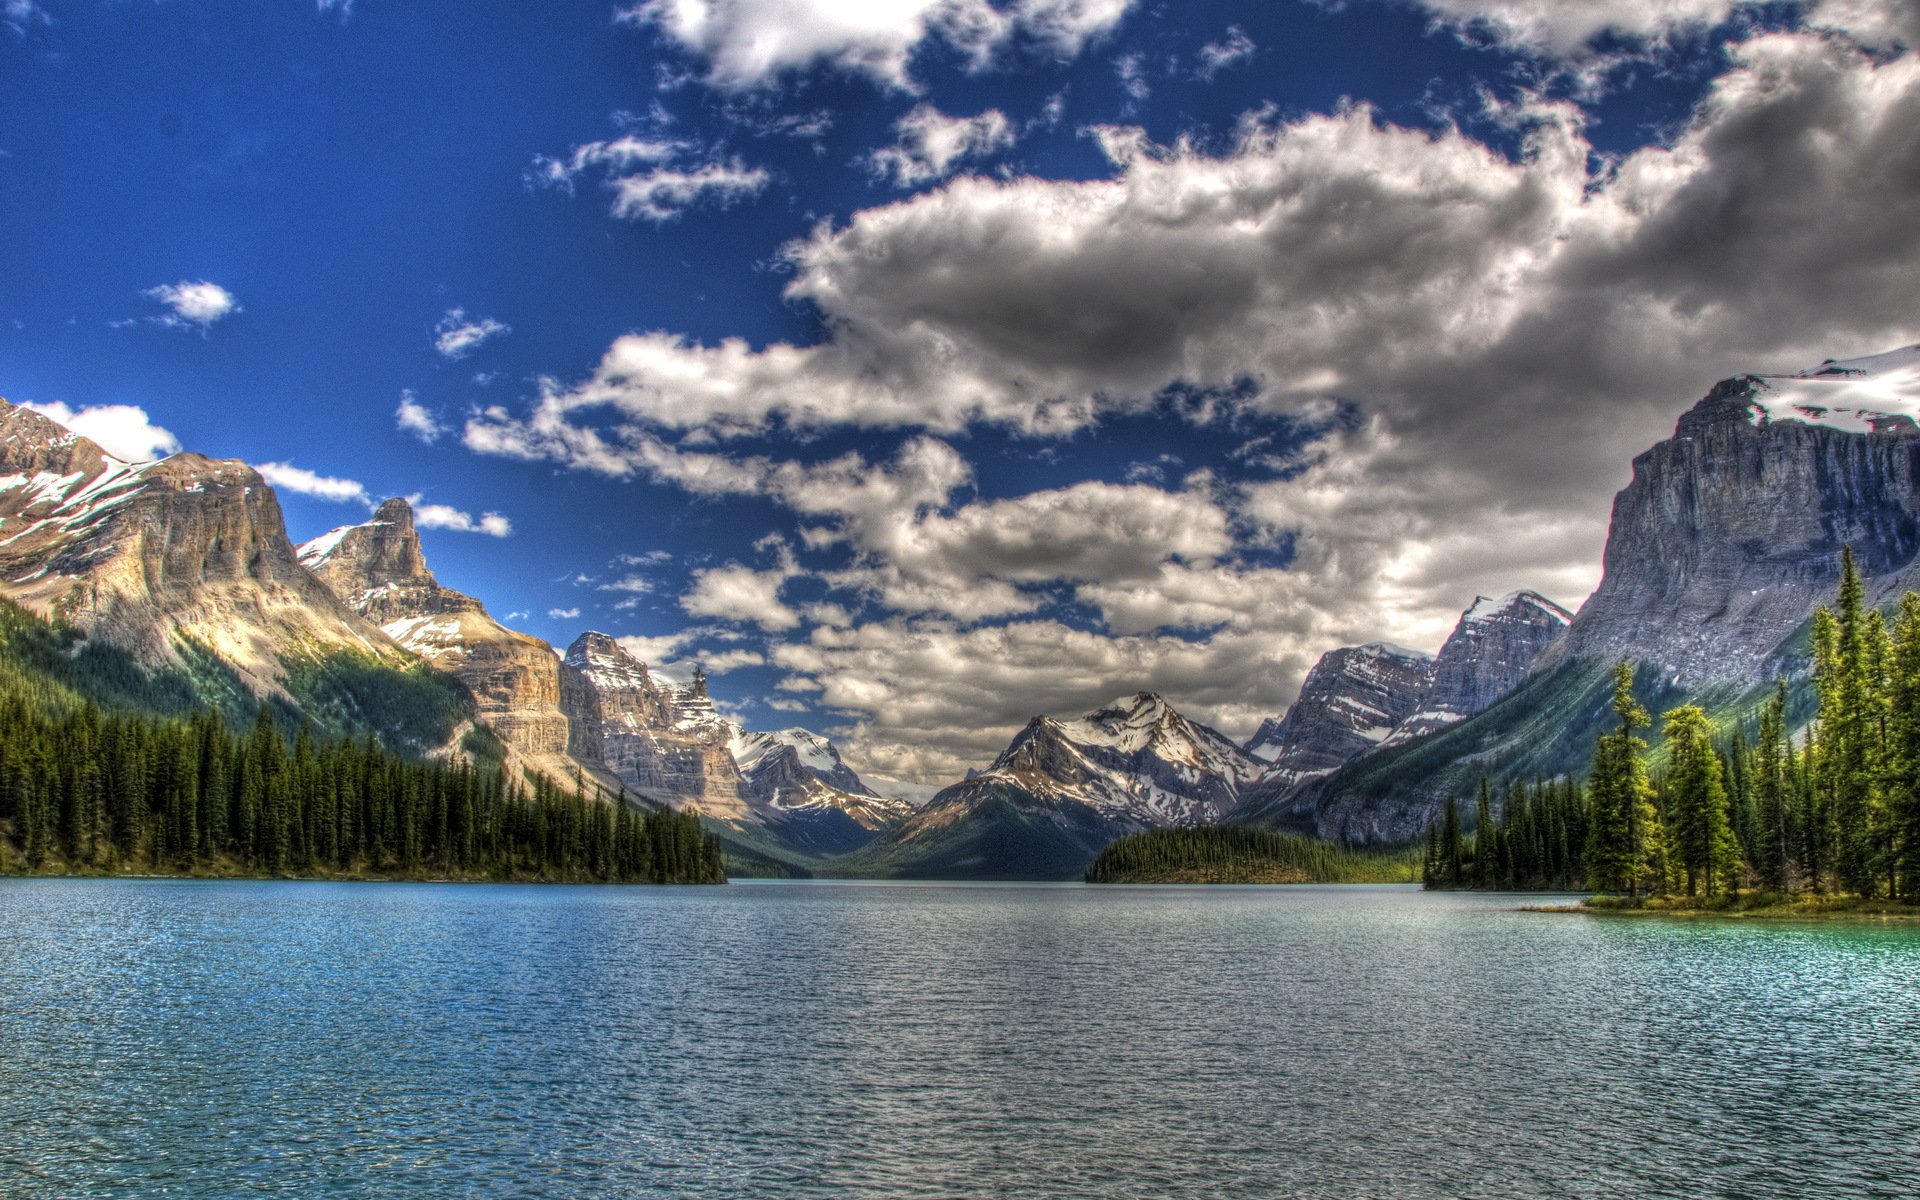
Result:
1857,395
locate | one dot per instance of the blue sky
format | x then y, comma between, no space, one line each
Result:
923,364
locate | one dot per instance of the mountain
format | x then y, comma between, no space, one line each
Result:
184,564
798,770
660,741
377,569
1491,651
1062,790
1722,545
1351,700
667,743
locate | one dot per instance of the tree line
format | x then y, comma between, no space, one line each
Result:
1836,811
89,791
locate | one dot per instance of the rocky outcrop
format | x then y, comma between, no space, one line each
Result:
1349,703
1491,651
153,556
1722,546
657,740
1063,789
379,570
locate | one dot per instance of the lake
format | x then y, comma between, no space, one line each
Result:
852,1039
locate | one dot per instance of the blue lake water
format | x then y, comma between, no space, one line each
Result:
843,1040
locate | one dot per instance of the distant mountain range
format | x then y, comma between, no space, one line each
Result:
1722,546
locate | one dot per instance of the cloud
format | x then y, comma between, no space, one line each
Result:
749,44
563,614
653,179
1477,340
1568,30
122,430
456,335
415,418
928,144
663,195
20,15
194,305
739,593
443,516
1132,72
289,478
1230,51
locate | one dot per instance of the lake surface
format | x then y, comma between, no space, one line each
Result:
824,1039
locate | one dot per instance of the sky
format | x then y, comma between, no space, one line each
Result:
918,366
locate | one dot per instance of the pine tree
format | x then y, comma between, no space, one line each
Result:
1775,838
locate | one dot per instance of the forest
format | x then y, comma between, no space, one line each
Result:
87,790
1243,854
1833,813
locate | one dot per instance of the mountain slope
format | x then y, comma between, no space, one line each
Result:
377,569
184,564
1491,651
1351,701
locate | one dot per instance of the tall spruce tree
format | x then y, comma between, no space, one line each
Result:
1625,847
1699,812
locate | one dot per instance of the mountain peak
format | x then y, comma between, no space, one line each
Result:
1485,608
395,511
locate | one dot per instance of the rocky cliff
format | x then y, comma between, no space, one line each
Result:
1729,534
658,740
1349,703
1722,545
798,770
378,569
1491,651
187,554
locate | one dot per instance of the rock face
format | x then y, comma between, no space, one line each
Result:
1490,652
1063,789
377,568
1729,535
658,740
147,556
1349,703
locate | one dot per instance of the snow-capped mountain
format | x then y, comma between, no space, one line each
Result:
1350,702
1063,789
1490,652
798,770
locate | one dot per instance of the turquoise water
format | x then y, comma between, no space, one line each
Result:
844,1040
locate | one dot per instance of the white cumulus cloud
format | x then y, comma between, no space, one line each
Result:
445,516
193,304
417,419
457,335
287,477
747,44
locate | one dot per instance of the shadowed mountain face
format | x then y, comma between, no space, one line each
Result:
1063,789
1490,652
1351,701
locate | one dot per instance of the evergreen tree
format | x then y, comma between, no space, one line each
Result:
1698,809
1625,848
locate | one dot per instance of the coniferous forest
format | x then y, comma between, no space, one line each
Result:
1834,812
87,790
